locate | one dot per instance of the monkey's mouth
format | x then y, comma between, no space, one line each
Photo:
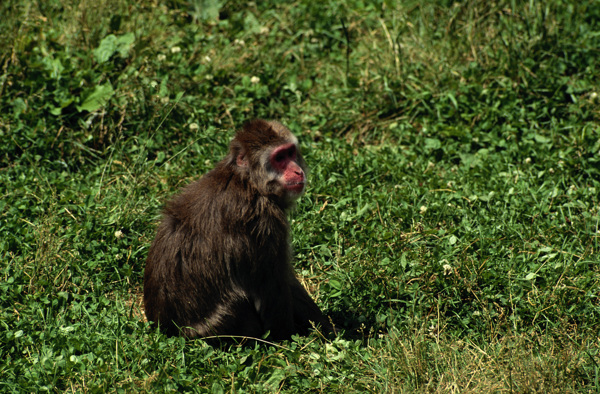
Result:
295,186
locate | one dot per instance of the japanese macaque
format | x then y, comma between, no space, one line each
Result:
220,264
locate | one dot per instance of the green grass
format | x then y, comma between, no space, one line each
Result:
450,227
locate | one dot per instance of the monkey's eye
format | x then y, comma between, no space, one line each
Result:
292,153
284,155
280,157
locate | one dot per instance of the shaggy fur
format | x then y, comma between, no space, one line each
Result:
220,262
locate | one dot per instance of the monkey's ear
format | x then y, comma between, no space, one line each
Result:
241,160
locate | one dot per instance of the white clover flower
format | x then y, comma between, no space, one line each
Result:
255,79
194,126
175,49
447,269
118,234
423,209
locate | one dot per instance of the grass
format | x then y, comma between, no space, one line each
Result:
451,224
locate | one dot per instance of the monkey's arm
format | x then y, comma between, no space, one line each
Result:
307,311
274,305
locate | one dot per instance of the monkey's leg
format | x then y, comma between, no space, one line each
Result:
238,318
243,320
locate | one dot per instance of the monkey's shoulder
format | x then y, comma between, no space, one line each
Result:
224,198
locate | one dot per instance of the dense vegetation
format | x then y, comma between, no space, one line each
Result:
450,228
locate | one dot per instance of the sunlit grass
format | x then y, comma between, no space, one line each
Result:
451,223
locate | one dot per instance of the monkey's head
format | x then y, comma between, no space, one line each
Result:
268,155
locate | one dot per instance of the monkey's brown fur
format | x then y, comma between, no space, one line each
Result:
220,262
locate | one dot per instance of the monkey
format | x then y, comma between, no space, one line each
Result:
220,264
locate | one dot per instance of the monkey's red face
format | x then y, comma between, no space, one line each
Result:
283,159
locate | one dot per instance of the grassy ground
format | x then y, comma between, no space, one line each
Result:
451,225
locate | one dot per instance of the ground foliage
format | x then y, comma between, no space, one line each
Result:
451,226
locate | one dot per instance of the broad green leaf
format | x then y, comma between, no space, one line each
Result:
98,98
112,44
124,44
530,276
107,47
